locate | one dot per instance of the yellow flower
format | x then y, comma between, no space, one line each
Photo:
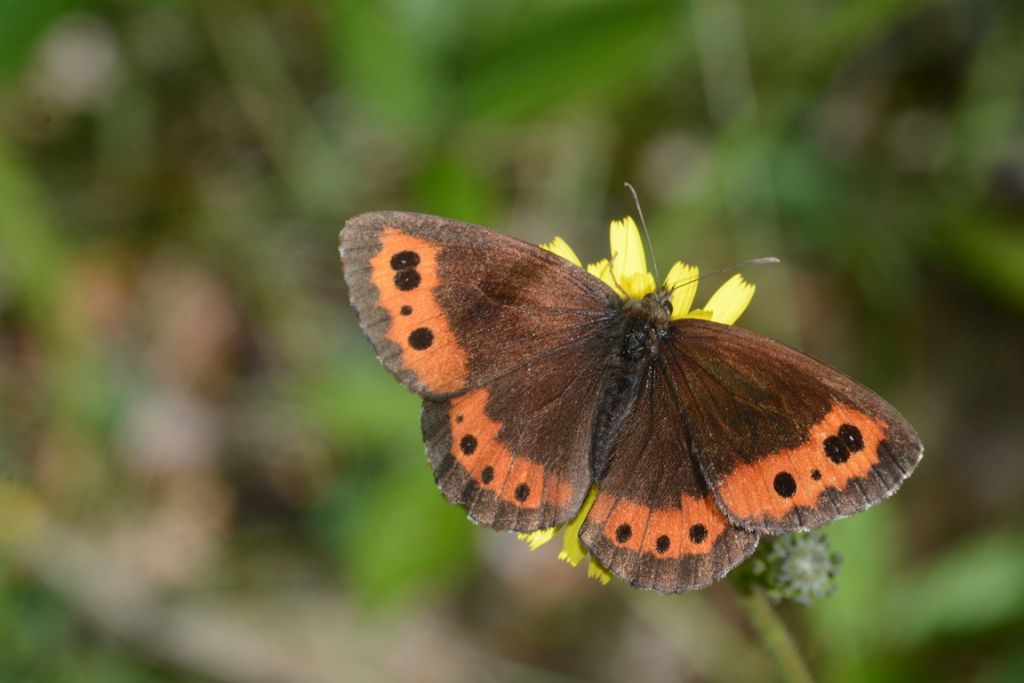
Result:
626,273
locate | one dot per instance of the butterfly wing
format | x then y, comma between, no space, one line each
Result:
654,522
785,441
506,342
450,306
515,451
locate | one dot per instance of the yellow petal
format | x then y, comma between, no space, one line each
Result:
700,314
627,250
536,539
682,282
603,272
638,285
632,286
562,248
573,551
731,299
596,571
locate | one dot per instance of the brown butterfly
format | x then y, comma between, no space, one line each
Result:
542,382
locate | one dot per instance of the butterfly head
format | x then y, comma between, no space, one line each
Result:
655,307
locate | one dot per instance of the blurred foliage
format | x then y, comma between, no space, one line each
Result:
206,476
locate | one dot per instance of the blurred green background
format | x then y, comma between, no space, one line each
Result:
206,476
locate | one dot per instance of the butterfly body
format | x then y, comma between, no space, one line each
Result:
540,381
641,325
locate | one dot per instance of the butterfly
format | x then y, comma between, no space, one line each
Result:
552,394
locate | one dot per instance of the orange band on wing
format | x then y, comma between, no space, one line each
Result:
842,446
477,448
404,271
666,533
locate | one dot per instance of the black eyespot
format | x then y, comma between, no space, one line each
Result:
662,544
522,492
487,475
698,533
623,533
407,279
851,437
468,444
421,338
836,450
405,259
405,310
785,484
816,475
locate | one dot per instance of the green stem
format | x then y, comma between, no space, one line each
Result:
774,634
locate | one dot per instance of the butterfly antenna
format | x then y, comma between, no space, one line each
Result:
764,260
647,235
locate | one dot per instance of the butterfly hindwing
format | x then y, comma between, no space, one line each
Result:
450,306
785,441
654,522
515,451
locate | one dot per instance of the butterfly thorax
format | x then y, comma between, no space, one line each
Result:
643,325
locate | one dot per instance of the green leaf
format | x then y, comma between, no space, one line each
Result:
31,256
355,403
21,22
404,537
989,251
581,50
386,61
846,624
451,187
976,586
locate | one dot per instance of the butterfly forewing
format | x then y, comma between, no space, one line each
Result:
785,441
450,306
